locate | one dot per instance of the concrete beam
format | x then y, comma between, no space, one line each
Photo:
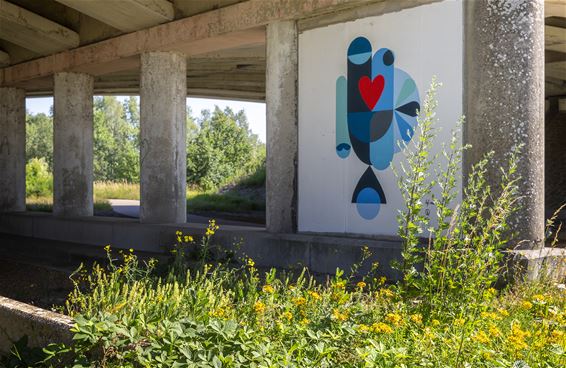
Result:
504,103
163,111
33,32
282,127
238,25
4,59
12,149
555,38
125,15
73,137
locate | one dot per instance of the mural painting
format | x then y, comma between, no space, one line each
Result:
376,115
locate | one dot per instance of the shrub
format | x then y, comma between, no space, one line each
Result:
39,181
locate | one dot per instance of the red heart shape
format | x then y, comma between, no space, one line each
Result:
371,90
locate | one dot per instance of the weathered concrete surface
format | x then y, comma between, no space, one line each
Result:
282,127
163,99
238,25
320,253
12,149
504,100
41,326
73,145
534,264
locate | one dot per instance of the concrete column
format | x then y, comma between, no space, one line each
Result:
72,144
12,149
163,101
282,128
504,100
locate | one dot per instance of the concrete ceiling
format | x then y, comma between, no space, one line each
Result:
31,29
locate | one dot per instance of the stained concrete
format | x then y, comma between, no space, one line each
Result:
504,101
12,149
42,327
282,127
163,94
73,144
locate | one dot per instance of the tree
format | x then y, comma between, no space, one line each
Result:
39,138
222,150
116,148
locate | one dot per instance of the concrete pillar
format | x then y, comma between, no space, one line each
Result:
12,149
72,144
504,100
163,101
282,128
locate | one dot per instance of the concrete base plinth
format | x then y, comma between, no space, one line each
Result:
534,264
163,99
73,137
12,149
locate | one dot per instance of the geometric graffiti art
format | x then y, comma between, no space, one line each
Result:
376,113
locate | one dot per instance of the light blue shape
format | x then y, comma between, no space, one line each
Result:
343,145
368,203
385,101
359,58
381,151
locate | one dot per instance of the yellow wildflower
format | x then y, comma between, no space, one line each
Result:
491,316
268,289
394,318
386,293
417,318
381,327
557,337
435,322
503,312
299,301
305,321
251,262
361,284
363,328
188,239
107,248
259,307
539,298
314,295
517,337
287,315
493,330
459,322
481,337
340,285
526,304
336,314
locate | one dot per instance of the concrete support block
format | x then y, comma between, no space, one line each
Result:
504,101
535,264
163,101
73,144
282,128
40,326
12,149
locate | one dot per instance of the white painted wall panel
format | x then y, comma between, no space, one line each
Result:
426,41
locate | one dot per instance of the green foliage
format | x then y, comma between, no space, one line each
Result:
116,141
126,315
451,272
39,138
39,181
224,202
222,150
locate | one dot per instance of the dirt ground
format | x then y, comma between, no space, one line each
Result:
34,285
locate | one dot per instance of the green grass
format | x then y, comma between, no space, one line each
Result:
45,204
198,201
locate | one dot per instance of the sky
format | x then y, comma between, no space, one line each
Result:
255,111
